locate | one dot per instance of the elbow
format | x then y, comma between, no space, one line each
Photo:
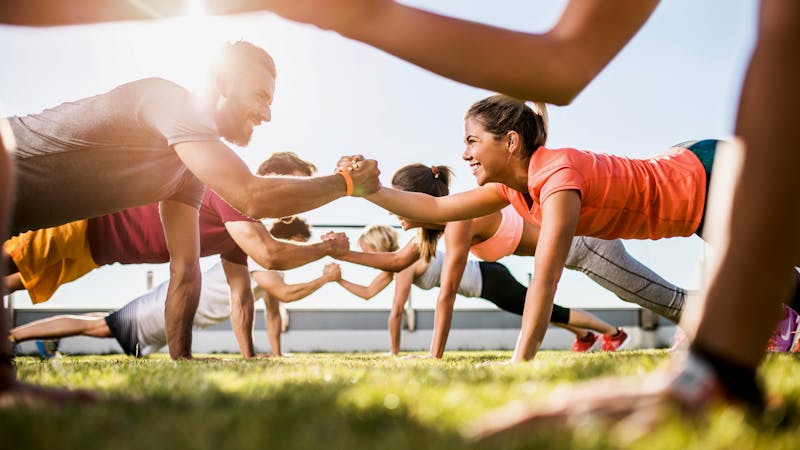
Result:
270,262
185,271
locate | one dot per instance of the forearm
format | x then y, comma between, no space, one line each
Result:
183,295
356,289
535,318
262,197
242,323
422,207
294,292
389,262
442,320
279,255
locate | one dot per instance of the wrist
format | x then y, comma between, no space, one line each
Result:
348,182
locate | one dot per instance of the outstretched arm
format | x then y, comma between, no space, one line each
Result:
275,287
560,214
427,208
367,292
242,305
275,254
183,242
458,236
218,167
552,67
387,261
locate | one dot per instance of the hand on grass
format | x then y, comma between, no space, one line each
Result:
634,406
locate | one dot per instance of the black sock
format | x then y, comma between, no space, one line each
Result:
739,381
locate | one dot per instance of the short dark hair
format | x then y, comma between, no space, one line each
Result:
297,228
286,163
235,56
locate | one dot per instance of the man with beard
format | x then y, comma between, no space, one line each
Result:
153,141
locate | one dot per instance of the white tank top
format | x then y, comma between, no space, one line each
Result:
471,282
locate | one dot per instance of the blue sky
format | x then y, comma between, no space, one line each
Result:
677,80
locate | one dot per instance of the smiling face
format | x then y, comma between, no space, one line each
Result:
244,103
487,155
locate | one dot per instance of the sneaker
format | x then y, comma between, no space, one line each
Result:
585,343
612,343
47,348
784,339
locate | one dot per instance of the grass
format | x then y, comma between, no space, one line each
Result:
355,401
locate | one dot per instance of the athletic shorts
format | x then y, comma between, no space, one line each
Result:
48,258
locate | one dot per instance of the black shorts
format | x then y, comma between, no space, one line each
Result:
502,289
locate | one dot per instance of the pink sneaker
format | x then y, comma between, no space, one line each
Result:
585,343
612,343
784,339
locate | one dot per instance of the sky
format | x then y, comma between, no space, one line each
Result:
678,79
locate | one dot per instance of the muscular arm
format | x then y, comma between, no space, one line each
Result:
183,242
552,67
458,236
427,208
276,288
559,220
270,253
218,167
387,261
367,292
402,289
242,305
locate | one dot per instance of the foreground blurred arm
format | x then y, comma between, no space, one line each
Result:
552,67
60,12
183,294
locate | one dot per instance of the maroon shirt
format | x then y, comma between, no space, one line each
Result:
135,235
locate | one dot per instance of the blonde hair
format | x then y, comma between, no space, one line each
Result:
381,237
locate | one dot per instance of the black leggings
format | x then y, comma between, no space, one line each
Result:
502,289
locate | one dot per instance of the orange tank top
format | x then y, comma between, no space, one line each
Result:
624,198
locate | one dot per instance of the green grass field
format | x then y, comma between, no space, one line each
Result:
356,401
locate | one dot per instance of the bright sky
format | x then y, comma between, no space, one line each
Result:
677,80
